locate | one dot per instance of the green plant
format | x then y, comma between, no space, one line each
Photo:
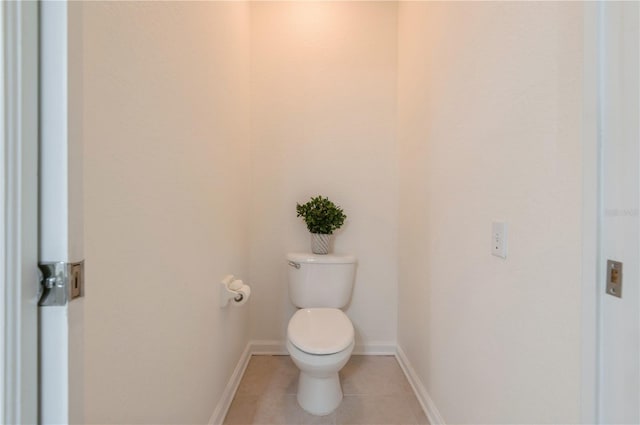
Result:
321,215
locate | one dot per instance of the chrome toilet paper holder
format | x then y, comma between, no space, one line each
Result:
232,289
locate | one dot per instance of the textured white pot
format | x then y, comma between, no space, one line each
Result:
320,243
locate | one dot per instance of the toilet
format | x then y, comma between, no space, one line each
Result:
320,336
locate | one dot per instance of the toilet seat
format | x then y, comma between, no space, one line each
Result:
320,331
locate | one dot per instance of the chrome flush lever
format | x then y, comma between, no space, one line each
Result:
294,264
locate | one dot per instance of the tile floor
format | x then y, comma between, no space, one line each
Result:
375,392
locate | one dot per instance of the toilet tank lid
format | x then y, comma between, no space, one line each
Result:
303,257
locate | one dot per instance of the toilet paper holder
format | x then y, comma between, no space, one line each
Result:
233,290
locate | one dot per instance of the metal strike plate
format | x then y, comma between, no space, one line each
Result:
61,282
614,278
77,280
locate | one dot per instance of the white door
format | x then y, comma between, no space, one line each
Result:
19,283
619,331
61,247
39,51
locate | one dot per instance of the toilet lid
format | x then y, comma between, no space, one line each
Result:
320,330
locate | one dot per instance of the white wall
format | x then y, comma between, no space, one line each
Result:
166,194
323,88
490,129
457,113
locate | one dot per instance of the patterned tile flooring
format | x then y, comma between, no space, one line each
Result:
375,392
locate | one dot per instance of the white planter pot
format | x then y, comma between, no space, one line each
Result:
320,243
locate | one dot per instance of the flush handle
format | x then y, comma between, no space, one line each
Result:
294,264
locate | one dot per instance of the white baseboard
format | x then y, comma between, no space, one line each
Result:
268,347
217,418
277,347
376,348
426,402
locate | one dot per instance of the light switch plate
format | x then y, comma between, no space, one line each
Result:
499,239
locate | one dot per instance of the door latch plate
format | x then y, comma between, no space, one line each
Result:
61,282
614,278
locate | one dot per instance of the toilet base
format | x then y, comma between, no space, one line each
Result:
319,391
319,396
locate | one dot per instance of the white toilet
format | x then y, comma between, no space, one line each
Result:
320,336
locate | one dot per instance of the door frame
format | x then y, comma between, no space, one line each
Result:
61,325
19,211
591,206
593,255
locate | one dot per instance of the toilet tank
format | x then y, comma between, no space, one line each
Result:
321,280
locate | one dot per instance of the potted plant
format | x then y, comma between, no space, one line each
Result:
322,217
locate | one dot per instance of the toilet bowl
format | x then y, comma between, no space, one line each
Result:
320,342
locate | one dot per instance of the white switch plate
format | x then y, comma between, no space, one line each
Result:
499,239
